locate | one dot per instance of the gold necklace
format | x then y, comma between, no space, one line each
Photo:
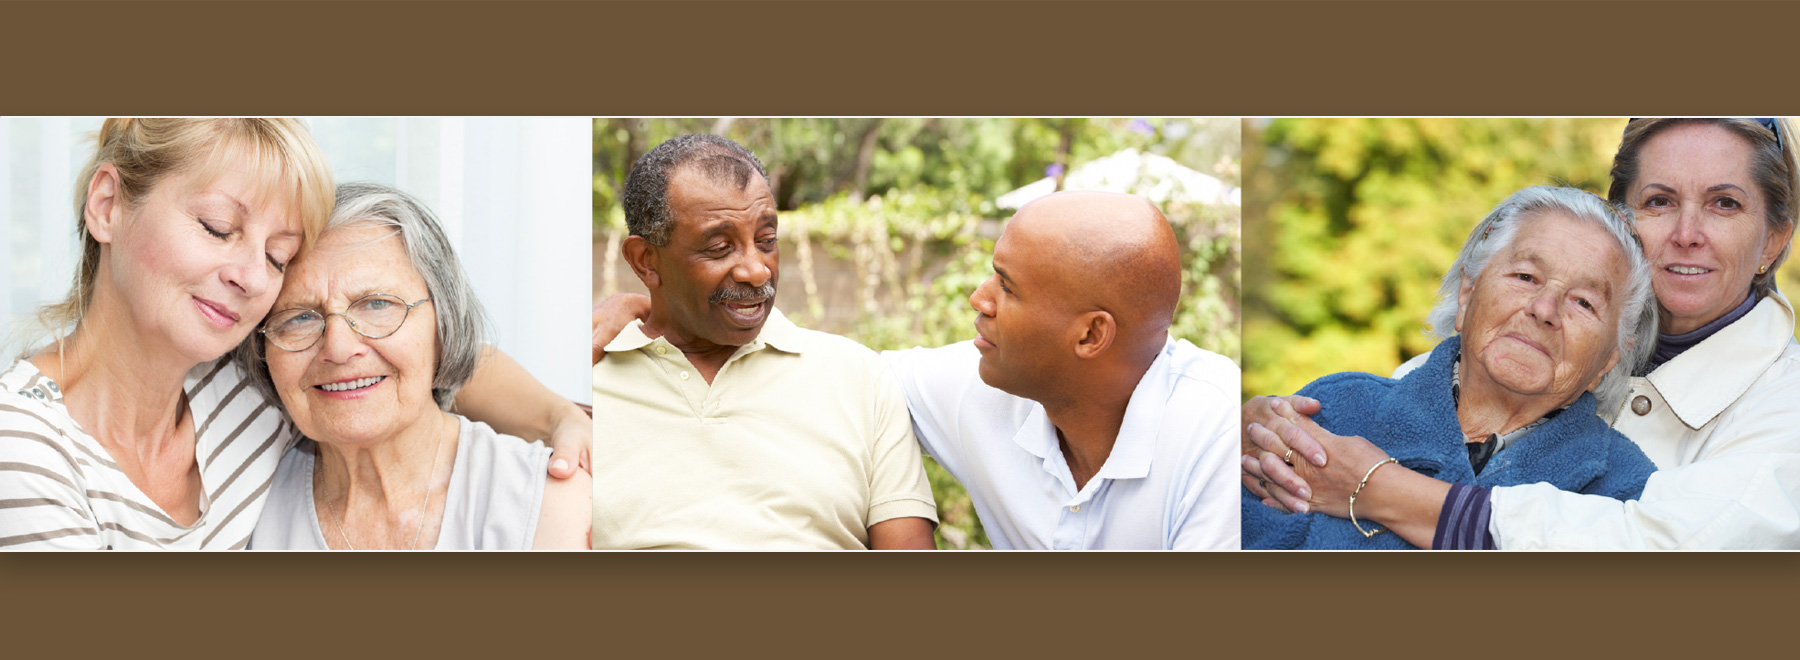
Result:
423,506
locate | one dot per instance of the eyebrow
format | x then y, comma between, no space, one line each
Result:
1717,188
1004,276
314,304
715,229
1599,284
242,208
725,226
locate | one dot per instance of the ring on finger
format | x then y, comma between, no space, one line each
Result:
1263,484
1288,458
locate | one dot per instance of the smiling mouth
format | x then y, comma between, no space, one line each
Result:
745,313
1688,270
352,385
218,314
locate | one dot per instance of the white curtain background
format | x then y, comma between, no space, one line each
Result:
514,195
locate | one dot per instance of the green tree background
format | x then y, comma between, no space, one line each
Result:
889,224
1352,223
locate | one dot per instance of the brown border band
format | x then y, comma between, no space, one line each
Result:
886,58
891,58
1099,605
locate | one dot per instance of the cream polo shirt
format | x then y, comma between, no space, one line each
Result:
802,441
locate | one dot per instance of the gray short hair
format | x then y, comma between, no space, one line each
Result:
1637,313
647,187
461,323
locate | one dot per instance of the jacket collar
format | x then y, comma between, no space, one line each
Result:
777,332
1727,362
1423,432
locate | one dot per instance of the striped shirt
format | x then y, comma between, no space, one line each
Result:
60,489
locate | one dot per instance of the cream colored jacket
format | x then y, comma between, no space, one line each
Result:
1722,423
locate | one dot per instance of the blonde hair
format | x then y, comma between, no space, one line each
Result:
145,151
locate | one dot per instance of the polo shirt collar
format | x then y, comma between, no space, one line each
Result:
1136,442
781,334
777,332
1727,362
630,339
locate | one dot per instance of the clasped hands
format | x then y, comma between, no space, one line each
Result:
1295,465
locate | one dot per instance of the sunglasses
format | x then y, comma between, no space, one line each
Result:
1765,122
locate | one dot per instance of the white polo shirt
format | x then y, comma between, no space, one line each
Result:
1171,481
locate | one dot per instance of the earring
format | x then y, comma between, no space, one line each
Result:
1762,270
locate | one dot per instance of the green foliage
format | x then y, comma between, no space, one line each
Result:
910,204
1366,216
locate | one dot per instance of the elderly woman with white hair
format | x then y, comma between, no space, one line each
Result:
375,331
1544,316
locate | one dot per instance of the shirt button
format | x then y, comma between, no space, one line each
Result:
1076,508
1640,405
662,350
684,375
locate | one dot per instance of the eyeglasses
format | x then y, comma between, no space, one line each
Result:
374,316
1765,122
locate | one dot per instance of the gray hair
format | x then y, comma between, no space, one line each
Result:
647,187
461,322
1495,233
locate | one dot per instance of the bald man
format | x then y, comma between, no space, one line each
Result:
1072,418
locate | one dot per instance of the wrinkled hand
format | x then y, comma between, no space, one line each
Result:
1327,487
613,314
1272,428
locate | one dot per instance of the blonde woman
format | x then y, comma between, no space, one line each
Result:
130,430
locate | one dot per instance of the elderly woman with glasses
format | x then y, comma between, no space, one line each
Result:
1713,407
375,331
1544,315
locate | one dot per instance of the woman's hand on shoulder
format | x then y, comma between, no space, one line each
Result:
571,446
613,314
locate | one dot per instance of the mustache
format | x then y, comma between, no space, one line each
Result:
731,292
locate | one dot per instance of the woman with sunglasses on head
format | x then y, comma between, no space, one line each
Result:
1715,408
130,430
375,330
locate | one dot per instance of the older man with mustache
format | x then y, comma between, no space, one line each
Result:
1073,419
719,424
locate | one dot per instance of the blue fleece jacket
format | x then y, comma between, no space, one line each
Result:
1414,420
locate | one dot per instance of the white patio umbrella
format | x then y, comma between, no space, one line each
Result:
1157,178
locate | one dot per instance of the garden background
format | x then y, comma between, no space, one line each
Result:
1351,223
887,225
